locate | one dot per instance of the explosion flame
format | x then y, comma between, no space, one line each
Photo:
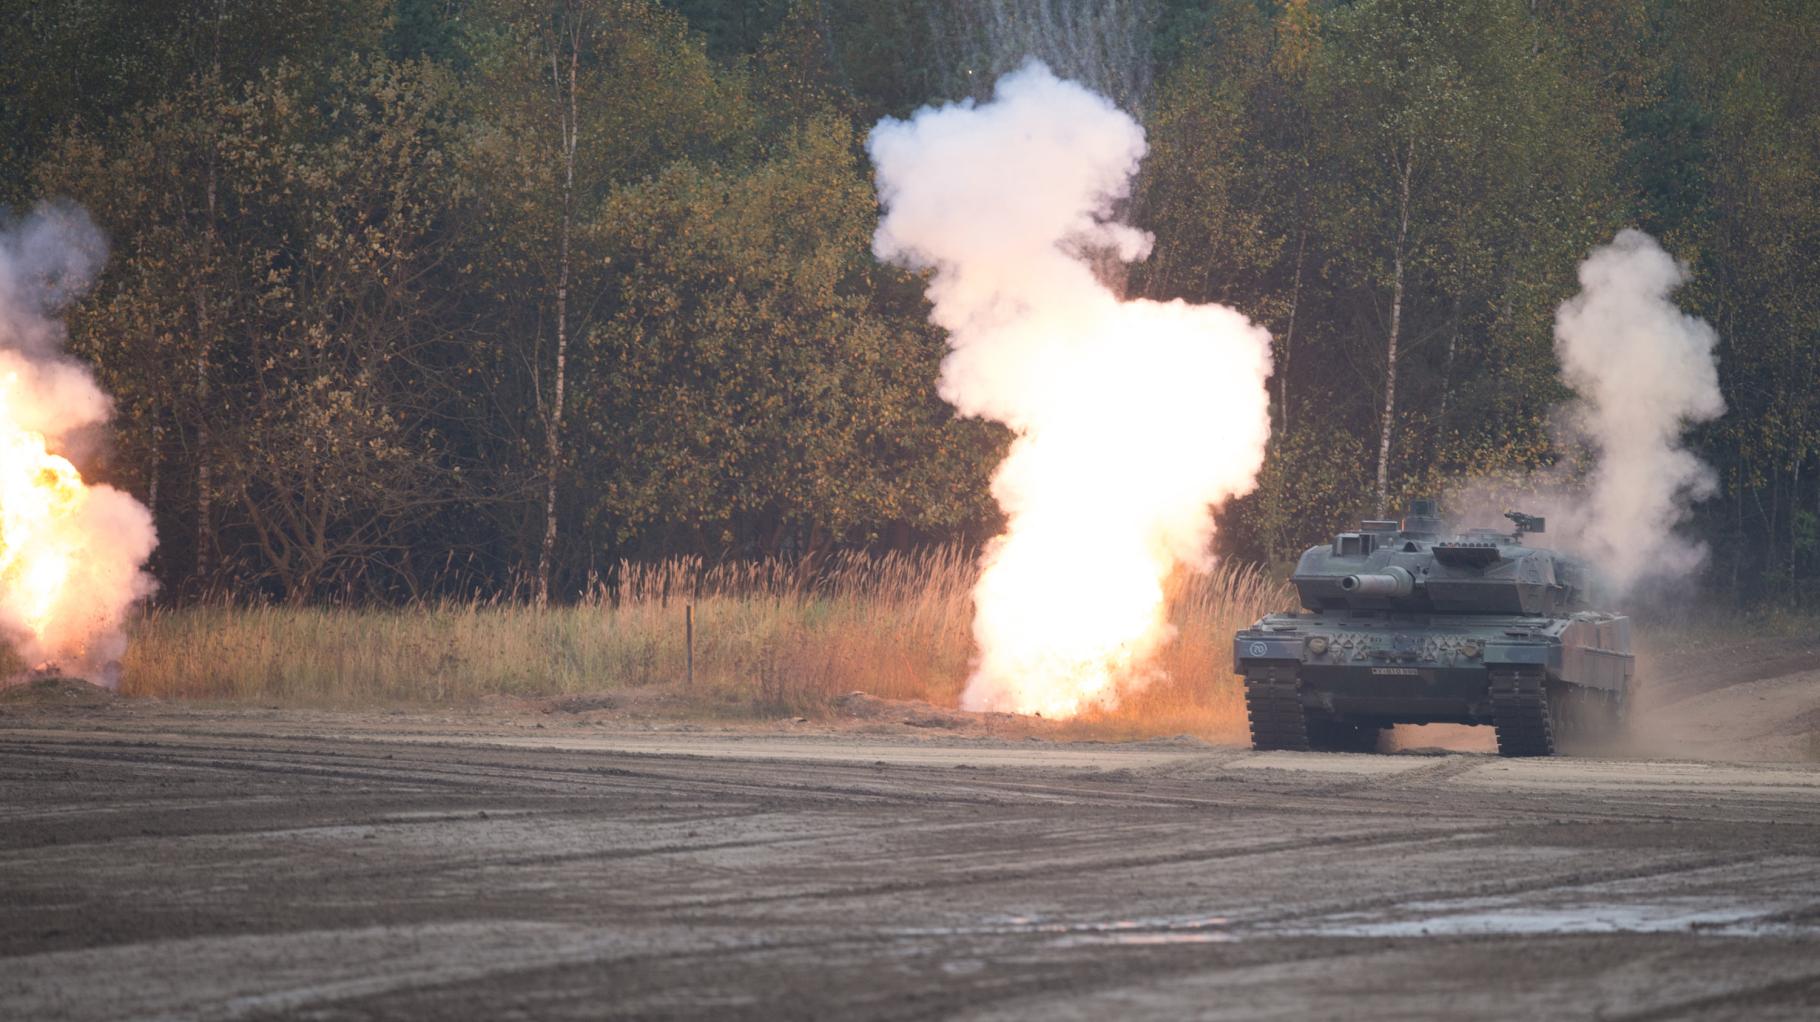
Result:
70,553
1133,418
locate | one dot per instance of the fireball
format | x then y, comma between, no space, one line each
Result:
70,552
1133,418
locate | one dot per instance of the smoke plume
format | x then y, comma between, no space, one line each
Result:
1644,372
70,553
1132,418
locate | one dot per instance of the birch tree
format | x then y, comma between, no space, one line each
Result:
1455,173
573,99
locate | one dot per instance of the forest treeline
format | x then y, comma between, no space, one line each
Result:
427,296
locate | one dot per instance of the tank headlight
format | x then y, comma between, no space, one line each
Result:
1317,645
1471,649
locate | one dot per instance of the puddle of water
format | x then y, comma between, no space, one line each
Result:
1496,917
1467,917
1159,930
1143,932
1145,939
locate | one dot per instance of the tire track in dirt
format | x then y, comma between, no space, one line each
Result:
1066,870
362,876
858,783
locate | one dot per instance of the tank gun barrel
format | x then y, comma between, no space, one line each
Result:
1392,581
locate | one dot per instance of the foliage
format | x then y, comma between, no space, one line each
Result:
757,364
288,341
361,246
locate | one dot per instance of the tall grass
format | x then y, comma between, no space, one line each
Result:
769,638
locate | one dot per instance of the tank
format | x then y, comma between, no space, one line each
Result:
1410,622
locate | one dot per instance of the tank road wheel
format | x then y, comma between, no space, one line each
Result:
1520,712
1273,701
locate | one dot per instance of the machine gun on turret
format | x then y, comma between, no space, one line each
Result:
1526,523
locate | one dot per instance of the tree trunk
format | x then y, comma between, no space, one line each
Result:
1396,325
205,340
152,470
1738,531
566,114
1794,520
1295,300
1453,343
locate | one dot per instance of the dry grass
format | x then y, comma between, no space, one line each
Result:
1194,690
766,642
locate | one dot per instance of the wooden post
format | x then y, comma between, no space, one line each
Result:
689,640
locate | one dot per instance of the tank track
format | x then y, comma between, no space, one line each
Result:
1273,701
1521,714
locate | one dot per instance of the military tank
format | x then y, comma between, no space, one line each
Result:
1409,622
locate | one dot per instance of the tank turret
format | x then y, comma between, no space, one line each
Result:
1421,565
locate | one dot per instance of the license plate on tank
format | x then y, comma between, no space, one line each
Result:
1401,672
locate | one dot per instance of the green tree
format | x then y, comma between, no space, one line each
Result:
84,61
296,278
1744,76
1229,178
574,98
1462,168
775,383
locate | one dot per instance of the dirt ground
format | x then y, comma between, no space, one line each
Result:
553,861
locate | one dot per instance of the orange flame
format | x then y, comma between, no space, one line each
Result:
69,552
41,498
1150,415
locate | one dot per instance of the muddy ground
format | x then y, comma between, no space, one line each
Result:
174,861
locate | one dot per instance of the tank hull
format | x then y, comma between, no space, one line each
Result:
1349,674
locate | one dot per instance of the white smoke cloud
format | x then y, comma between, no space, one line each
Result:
70,554
1132,418
47,260
1645,372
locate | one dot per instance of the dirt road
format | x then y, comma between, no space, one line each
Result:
181,863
